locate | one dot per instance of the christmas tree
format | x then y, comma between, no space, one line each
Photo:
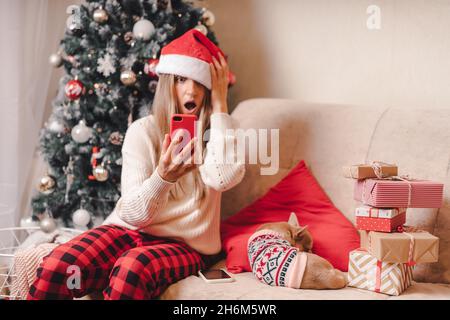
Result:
109,52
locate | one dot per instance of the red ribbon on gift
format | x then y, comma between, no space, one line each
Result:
406,230
378,276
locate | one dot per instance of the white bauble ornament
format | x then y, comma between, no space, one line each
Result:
81,133
28,222
143,29
55,60
128,77
81,217
48,225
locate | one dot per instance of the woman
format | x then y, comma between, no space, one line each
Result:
166,225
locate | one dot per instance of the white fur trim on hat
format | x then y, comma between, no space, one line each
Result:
185,66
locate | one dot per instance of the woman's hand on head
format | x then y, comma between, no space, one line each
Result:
175,163
219,85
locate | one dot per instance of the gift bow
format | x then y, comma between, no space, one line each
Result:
377,167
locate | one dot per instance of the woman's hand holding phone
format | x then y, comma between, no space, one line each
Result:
172,164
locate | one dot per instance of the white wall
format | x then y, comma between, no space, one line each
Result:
321,50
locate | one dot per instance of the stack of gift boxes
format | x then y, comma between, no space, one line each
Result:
389,250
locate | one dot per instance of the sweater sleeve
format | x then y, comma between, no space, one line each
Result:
221,168
144,192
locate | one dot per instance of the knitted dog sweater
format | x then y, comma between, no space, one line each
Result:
274,261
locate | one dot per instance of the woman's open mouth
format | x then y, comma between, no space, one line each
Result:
190,105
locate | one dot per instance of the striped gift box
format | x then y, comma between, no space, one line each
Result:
366,272
399,193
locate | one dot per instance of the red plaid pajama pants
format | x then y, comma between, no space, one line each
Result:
123,263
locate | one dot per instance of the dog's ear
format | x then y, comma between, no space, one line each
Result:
293,221
299,231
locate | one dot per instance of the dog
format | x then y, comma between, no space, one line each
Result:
280,255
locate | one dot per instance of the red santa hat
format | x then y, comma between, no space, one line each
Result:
189,56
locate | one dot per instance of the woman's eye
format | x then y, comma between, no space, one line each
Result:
180,79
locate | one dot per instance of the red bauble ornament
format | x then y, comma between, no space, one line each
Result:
74,89
150,68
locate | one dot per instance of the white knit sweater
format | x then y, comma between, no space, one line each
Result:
145,204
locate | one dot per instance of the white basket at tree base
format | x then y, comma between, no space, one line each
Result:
8,248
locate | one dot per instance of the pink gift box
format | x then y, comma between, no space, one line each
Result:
399,193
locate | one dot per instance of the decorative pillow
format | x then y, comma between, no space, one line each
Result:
334,236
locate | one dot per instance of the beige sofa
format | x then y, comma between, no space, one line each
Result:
328,137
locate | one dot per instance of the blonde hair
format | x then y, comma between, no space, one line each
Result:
164,105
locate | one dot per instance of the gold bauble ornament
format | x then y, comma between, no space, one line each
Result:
100,15
100,173
48,225
202,29
128,77
47,184
208,18
55,60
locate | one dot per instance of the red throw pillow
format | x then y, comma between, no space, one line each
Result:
334,236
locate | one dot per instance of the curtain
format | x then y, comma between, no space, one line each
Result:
30,31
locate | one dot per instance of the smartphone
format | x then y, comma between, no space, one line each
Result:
186,123
215,276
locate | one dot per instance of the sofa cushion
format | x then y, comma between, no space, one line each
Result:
334,236
247,287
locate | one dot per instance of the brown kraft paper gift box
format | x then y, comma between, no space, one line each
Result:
364,171
395,247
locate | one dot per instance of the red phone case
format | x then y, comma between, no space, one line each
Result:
185,122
